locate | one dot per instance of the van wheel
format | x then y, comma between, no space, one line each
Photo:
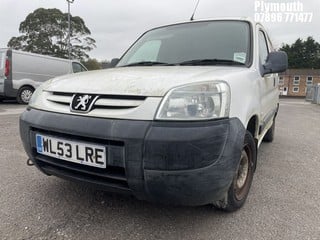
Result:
24,95
240,186
270,134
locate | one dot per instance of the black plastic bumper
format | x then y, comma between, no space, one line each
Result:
185,163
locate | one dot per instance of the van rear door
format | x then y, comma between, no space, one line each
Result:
3,53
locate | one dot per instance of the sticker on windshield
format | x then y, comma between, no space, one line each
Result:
239,57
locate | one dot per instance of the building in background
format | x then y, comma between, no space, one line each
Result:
294,82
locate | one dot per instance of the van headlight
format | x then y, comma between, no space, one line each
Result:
201,101
37,94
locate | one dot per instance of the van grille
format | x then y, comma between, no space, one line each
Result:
104,101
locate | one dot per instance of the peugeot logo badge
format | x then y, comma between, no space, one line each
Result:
83,102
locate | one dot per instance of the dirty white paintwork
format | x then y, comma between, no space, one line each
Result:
153,81
251,94
156,81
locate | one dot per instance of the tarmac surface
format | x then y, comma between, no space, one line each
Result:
283,202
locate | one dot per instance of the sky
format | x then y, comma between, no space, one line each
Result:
116,24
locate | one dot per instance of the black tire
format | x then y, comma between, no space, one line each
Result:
270,134
24,95
240,186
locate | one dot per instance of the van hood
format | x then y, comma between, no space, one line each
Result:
153,81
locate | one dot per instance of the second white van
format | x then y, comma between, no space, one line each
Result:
22,72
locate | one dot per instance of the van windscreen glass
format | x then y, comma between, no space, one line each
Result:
194,43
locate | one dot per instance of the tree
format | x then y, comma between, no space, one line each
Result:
303,54
92,64
45,31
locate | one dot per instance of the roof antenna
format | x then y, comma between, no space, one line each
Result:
195,9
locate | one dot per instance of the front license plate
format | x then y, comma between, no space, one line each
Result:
72,151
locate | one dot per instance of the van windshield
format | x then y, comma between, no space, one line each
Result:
195,43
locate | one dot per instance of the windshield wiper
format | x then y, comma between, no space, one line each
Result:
147,63
214,61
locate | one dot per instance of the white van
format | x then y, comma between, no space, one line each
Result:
22,72
178,120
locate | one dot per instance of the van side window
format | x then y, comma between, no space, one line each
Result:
263,47
77,67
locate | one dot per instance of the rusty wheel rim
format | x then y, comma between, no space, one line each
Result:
242,178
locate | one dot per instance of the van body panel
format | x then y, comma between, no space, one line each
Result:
268,85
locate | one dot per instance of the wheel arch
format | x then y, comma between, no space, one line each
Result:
253,126
27,85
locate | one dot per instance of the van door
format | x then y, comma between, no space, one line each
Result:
268,86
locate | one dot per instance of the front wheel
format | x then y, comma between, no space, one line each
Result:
24,95
240,186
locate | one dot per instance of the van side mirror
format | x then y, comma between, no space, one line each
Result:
276,62
114,62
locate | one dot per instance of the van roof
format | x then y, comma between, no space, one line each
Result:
247,19
243,19
39,55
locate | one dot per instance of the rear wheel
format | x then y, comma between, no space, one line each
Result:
24,95
240,186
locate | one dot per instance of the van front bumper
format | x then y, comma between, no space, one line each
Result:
183,163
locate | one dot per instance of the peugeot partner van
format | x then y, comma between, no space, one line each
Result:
178,120
22,72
